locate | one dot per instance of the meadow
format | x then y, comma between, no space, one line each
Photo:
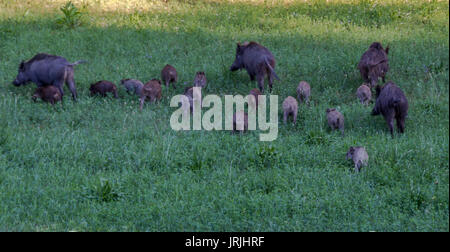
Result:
102,165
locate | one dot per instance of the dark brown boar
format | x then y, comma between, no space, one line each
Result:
257,60
48,94
253,100
169,75
45,69
103,87
374,64
364,94
151,91
391,102
290,108
335,120
200,80
240,121
303,92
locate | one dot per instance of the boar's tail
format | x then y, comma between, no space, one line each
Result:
78,62
271,70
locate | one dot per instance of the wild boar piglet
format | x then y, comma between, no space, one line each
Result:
132,86
364,94
290,108
151,91
200,80
359,156
103,87
169,75
303,92
48,94
335,120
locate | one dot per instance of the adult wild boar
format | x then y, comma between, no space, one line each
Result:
391,102
257,60
374,64
45,69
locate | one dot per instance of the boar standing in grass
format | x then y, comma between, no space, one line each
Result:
132,86
374,64
45,69
240,122
151,91
48,94
391,102
359,156
103,87
200,80
290,108
364,94
257,60
253,100
169,75
335,120
303,92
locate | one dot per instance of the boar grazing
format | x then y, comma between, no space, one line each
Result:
359,156
374,64
240,122
48,94
169,75
151,91
200,80
364,94
189,93
391,102
290,107
253,99
257,60
132,86
335,120
303,92
45,69
103,88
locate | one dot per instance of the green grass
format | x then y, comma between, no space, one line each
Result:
101,165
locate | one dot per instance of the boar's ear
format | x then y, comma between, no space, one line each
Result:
328,110
22,65
387,49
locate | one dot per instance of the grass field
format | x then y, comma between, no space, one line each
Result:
101,165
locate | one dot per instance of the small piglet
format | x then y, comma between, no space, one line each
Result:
303,91
359,156
169,75
240,122
200,80
254,93
364,94
103,87
392,104
335,120
132,86
48,94
290,107
151,91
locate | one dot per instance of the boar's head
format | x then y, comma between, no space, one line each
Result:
22,76
238,62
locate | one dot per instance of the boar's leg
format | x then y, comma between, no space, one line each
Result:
252,77
390,121
71,83
260,79
295,117
285,115
401,124
142,100
270,78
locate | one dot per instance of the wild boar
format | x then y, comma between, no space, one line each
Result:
335,120
303,92
391,102
132,86
374,64
254,94
290,107
257,60
151,91
45,69
103,87
359,156
364,94
240,122
169,75
200,80
189,93
48,94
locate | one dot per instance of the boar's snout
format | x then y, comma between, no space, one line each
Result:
234,67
